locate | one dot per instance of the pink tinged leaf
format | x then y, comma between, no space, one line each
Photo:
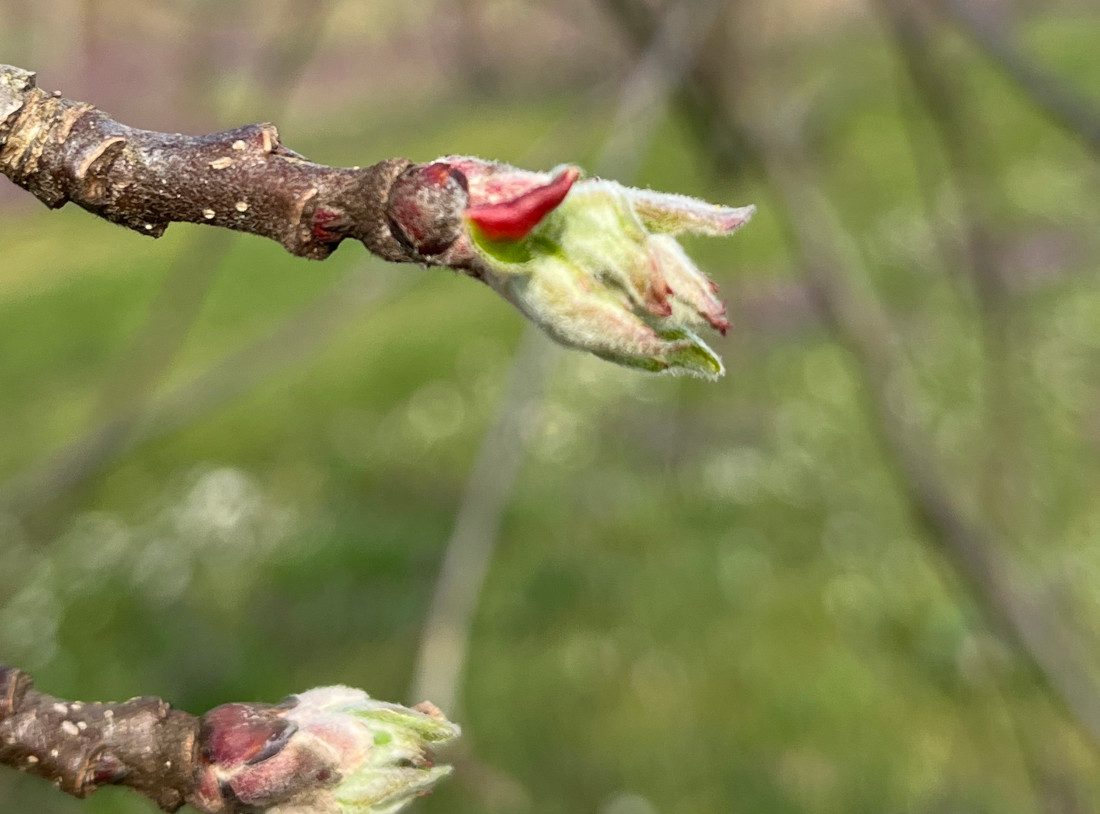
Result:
514,219
674,214
658,292
693,290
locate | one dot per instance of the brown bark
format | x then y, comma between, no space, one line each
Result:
142,743
244,179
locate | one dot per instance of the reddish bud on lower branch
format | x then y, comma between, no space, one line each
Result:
331,749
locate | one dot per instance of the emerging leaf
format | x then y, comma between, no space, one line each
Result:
594,263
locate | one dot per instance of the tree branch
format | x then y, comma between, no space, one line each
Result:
293,756
243,179
507,227
1067,107
934,77
142,743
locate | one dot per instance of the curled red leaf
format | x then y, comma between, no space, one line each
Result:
514,219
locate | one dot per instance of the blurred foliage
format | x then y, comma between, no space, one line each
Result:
706,597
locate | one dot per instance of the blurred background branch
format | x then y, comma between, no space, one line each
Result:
967,148
830,261
1070,109
293,341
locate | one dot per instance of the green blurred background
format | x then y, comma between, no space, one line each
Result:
230,474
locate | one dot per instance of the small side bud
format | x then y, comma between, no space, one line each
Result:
425,207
